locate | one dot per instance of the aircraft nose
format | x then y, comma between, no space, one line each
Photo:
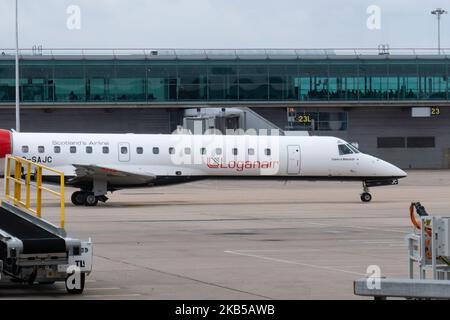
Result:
398,173
390,170
5,147
386,169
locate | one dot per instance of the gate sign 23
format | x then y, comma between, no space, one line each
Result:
435,111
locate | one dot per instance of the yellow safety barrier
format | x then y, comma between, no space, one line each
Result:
18,180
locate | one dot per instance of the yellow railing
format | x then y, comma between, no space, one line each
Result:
23,168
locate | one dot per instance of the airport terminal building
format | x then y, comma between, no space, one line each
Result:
394,103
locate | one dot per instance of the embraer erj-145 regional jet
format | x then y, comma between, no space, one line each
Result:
98,163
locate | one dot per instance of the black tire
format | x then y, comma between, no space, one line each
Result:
366,197
78,198
32,278
81,289
91,200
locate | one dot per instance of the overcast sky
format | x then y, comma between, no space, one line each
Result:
223,23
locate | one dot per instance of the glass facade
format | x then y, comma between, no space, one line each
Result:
144,81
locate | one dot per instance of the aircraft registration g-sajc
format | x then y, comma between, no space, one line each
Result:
98,163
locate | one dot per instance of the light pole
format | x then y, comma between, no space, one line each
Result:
439,12
17,72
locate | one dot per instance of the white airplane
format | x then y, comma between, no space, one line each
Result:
98,163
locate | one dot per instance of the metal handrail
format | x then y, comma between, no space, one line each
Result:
24,179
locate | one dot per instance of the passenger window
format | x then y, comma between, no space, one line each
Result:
57,149
267,152
171,150
89,149
187,151
218,151
105,150
41,149
25,149
235,151
139,150
155,150
73,149
343,150
203,151
251,152
123,150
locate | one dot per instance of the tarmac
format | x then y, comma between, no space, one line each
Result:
239,239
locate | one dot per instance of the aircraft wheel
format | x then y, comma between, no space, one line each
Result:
78,198
91,200
32,277
366,197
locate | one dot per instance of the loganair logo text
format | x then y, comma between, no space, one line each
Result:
219,163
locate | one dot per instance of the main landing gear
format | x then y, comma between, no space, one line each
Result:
366,196
86,198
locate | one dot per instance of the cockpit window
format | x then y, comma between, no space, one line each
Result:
344,149
354,149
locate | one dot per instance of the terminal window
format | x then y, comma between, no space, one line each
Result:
406,142
391,142
119,80
421,142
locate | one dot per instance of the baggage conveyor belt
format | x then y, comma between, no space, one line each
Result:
35,239
33,250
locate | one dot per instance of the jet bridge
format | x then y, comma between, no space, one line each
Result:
33,250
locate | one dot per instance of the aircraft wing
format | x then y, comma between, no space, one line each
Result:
112,175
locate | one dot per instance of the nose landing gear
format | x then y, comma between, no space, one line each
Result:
366,196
